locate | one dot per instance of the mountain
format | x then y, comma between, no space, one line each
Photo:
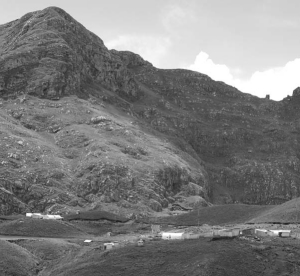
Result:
84,127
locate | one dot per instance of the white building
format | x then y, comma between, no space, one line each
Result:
281,233
172,236
40,216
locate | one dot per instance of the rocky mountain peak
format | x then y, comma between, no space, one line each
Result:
126,134
49,54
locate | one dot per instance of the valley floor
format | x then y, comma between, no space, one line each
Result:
205,256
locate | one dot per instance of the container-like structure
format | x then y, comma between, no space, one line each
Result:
172,236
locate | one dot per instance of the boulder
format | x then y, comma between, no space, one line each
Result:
195,201
193,189
155,206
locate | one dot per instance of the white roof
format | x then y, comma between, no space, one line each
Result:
87,240
277,231
174,234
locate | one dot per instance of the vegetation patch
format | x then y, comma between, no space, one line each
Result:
17,261
95,215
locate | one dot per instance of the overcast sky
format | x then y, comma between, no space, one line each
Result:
253,45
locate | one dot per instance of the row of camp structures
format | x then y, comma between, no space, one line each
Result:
272,233
226,233
215,233
41,216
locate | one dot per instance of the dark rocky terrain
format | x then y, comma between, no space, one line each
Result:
84,127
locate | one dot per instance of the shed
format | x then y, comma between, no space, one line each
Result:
30,215
226,233
37,216
281,233
108,245
190,236
140,242
235,232
155,228
208,234
52,217
261,232
247,232
172,236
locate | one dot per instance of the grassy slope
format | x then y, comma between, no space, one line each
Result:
48,250
189,257
216,215
16,261
95,215
287,212
39,228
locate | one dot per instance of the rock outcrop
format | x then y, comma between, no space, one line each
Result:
49,54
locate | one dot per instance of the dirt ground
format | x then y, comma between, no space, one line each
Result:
240,256
189,257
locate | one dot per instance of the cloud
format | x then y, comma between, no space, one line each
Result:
175,15
151,48
278,82
205,65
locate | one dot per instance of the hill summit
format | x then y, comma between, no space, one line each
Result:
84,127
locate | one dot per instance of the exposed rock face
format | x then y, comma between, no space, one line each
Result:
124,133
49,54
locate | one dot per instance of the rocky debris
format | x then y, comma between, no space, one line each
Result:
177,206
99,119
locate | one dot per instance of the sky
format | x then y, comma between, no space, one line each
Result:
253,45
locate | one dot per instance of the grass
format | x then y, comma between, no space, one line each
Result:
48,250
95,215
17,261
39,228
190,257
288,212
216,215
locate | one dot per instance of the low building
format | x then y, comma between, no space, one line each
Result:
30,215
141,242
247,232
261,232
172,236
227,232
109,245
40,216
155,228
209,234
190,236
280,233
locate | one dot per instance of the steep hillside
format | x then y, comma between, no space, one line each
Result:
83,127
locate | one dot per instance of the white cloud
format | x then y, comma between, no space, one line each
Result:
278,82
151,48
174,16
205,65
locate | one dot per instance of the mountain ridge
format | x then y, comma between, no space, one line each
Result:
84,127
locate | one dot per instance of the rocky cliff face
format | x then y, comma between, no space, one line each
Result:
49,54
124,135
